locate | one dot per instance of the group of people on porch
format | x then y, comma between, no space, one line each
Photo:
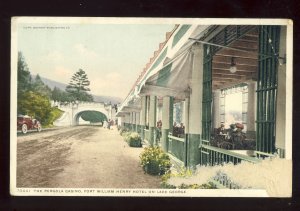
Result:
232,137
178,129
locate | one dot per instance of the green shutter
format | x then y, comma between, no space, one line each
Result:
267,88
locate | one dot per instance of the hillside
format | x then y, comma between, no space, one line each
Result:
62,86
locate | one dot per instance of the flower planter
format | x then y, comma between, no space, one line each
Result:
135,143
155,161
153,168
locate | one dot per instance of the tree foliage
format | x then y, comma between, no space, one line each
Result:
61,95
39,86
33,96
79,86
35,104
24,78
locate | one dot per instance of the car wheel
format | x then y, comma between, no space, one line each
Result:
39,128
24,129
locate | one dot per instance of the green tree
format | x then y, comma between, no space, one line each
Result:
79,86
33,96
56,94
35,104
60,95
40,87
24,78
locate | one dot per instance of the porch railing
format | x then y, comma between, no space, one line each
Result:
211,156
263,155
126,125
177,147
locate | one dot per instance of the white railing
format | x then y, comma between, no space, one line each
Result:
79,104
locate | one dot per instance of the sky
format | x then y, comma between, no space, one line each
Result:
112,55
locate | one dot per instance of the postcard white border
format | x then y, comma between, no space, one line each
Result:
140,192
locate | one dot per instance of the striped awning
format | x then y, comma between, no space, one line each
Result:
173,79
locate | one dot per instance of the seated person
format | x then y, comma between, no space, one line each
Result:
221,130
181,129
175,129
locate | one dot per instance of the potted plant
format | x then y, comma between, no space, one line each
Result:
133,140
155,161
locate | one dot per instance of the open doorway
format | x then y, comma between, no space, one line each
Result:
234,68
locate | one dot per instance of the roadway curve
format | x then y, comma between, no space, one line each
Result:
79,157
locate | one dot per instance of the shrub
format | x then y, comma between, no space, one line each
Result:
134,140
184,173
34,104
126,135
208,185
123,130
155,161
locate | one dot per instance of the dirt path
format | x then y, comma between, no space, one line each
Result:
81,157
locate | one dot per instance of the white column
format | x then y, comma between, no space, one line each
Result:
152,111
143,116
195,120
152,119
120,120
216,109
167,112
132,118
159,113
167,120
195,108
143,111
281,138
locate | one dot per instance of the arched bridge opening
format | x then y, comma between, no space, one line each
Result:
89,117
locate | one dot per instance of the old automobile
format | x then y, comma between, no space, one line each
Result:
25,123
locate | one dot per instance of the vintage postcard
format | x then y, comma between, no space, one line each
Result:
158,107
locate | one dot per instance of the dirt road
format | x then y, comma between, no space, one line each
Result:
80,157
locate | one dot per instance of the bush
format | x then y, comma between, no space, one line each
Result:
53,115
123,130
126,136
35,104
134,140
154,161
208,185
184,173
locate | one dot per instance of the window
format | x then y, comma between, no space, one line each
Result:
233,105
